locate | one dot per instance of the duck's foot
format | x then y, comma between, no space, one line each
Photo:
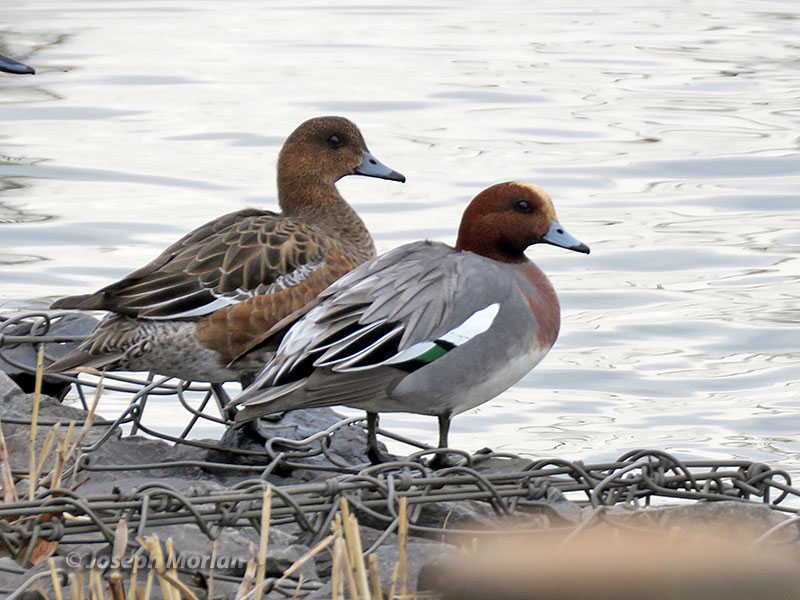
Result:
274,417
377,456
444,460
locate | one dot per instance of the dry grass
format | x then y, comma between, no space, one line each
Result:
351,577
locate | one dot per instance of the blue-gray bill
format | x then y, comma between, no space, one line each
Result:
558,236
372,167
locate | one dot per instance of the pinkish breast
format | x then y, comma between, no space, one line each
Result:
543,302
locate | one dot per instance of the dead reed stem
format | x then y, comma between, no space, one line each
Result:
266,508
115,581
55,578
402,540
37,394
6,480
249,573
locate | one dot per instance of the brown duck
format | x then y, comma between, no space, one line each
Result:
195,310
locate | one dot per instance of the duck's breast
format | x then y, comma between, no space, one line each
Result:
523,329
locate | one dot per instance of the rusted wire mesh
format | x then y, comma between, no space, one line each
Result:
509,485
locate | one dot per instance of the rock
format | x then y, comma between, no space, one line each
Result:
8,387
11,576
20,405
323,593
138,450
461,514
421,556
16,407
127,483
233,549
38,579
73,324
348,444
192,552
486,463
743,520
420,553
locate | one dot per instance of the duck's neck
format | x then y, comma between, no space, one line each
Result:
480,240
319,203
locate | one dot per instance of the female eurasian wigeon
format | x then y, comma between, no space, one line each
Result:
426,328
200,305
9,65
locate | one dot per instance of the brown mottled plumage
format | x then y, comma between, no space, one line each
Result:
211,295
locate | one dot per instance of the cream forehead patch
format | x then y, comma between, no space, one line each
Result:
541,193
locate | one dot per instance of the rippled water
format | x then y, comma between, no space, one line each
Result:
667,134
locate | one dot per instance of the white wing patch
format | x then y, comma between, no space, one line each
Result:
292,279
283,282
200,311
476,324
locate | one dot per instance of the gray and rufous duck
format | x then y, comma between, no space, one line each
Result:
426,328
195,310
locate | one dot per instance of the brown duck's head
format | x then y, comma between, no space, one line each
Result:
325,149
506,218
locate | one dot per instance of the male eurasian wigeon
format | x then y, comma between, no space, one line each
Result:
426,328
195,309
9,65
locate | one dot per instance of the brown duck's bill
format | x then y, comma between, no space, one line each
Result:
372,167
558,236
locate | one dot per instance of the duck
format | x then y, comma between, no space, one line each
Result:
195,310
9,65
426,328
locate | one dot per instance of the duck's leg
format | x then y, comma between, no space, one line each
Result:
374,453
444,429
223,400
440,460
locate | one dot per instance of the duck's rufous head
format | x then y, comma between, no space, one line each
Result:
506,218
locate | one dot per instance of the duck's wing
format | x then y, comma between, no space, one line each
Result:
382,321
236,257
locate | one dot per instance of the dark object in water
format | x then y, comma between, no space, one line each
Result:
9,65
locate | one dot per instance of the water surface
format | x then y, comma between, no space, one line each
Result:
666,132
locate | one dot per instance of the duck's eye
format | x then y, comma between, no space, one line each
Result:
334,142
524,206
